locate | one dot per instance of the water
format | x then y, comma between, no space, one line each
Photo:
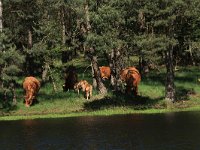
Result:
172,131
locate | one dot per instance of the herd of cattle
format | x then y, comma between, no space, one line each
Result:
130,76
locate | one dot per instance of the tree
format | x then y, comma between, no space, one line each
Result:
1,17
108,35
91,52
10,63
157,22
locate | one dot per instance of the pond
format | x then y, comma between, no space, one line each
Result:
171,131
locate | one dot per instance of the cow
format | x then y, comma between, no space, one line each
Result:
129,75
123,72
132,78
79,85
71,78
105,72
86,88
31,86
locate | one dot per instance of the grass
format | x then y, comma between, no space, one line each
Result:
70,104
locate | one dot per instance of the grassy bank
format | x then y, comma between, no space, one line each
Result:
150,100
106,112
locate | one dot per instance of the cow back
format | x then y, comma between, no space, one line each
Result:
31,86
31,82
105,72
129,70
132,77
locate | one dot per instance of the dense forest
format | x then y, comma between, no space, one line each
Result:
40,37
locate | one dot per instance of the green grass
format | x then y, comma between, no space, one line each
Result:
70,104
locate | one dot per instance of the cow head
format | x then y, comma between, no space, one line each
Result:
76,86
132,80
64,87
29,99
82,84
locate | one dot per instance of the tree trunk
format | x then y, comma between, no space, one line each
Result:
91,53
12,88
45,72
88,27
111,64
1,29
87,15
170,87
116,65
191,55
97,75
63,25
29,59
94,82
120,64
30,39
67,51
5,96
64,55
52,79
1,16
140,63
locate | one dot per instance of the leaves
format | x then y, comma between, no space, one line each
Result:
10,59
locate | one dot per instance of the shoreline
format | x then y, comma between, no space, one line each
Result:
109,112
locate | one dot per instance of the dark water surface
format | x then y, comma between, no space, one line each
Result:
172,131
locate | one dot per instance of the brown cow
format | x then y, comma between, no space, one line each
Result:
31,86
105,72
132,77
124,72
129,75
85,86
79,85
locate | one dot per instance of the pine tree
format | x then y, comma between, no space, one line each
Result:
10,64
10,61
92,53
1,17
157,23
107,35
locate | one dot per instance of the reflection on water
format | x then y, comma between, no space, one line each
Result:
172,131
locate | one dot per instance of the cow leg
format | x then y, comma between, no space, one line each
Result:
90,92
128,89
27,104
30,102
135,90
87,95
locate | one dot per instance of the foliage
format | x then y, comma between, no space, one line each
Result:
10,68
10,60
55,32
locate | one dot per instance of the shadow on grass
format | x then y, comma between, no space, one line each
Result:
184,75
154,78
183,93
120,99
60,95
189,79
